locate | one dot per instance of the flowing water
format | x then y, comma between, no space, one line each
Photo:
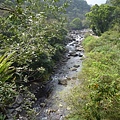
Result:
53,106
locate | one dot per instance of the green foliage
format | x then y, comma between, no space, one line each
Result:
98,97
89,43
100,18
7,90
34,30
2,117
76,24
77,9
6,71
115,2
7,95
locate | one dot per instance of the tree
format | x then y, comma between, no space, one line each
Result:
76,9
100,18
115,2
116,13
76,24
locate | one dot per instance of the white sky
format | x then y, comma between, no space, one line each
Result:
93,2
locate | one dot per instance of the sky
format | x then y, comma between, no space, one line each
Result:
93,2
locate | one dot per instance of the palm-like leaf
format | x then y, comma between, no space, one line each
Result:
6,71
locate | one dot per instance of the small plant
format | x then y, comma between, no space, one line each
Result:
6,71
2,117
7,90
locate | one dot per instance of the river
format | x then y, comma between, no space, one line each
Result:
65,77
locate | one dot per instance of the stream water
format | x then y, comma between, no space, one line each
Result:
53,106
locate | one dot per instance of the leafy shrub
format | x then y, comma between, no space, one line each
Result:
2,117
7,90
36,32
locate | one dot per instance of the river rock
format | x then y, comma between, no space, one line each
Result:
74,78
68,78
62,81
71,53
76,54
19,99
44,118
72,43
76,66
60,105
19,109
79,49
48,111
42,104
77,45
11,111
80,55
73,69
68,108
57,117
68,57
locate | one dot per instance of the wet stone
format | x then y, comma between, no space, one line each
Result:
60,105
44,118
48,111
42,104
11,111
80,55
57,117
62,82
68,78
73,69
19,99
76,66
79,49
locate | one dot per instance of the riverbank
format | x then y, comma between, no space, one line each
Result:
98,97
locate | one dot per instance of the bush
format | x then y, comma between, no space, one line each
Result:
7,90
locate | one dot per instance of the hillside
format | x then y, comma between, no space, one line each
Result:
77,8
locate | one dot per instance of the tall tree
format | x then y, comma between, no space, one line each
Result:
100,18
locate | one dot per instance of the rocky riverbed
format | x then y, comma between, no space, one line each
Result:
52,106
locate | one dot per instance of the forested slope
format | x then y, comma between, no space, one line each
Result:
75,13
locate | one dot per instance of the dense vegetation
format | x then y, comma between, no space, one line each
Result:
98,95
76,12
32,38
104,17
